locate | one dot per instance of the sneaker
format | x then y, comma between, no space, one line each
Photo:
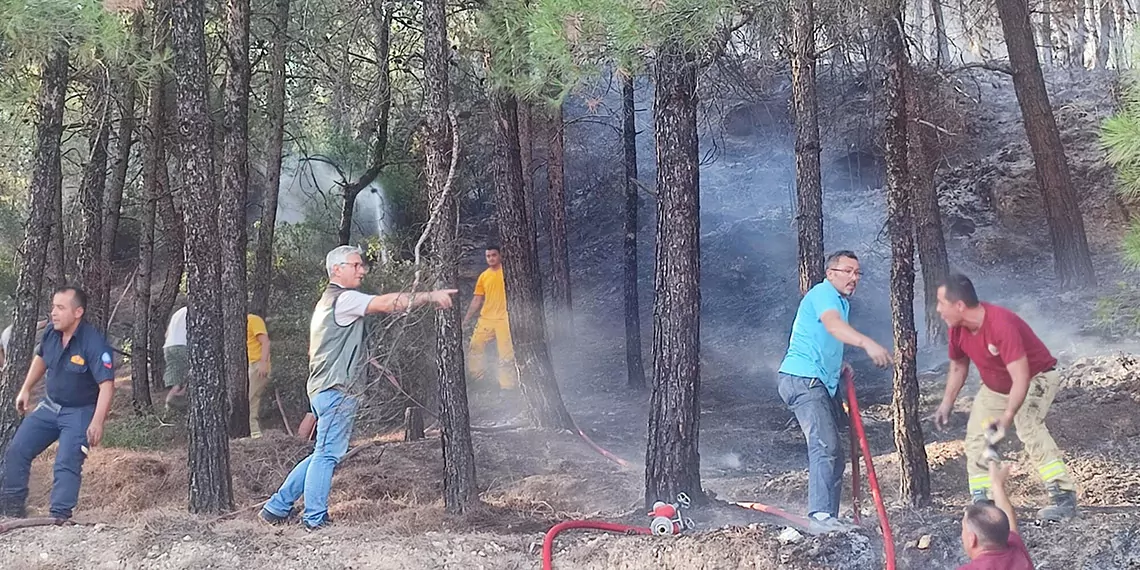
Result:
325,522
825,523
275,519
980,498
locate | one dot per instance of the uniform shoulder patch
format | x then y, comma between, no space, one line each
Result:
106,359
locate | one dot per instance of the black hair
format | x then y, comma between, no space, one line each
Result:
493,247
834,258
989,523
960,288
79,296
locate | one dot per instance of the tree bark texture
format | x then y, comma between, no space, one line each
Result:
1045,33
521,275
56,264
143,345
173,237
559,242
526,155
232,220
459,485
915,473
1078,37
634,366
672,460
809,187
45,183
941,41
1103,11
92,187
382,17
112,210
1071,257
922,162
275,109
211,488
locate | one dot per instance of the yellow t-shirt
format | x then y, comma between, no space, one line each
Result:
254,326
490,286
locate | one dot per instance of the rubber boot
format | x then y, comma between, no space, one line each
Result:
1064,505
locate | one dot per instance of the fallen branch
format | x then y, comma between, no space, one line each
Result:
28,523
281,408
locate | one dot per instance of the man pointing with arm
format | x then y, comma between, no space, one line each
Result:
809,379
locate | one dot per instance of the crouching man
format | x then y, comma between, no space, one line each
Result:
336,348
80,383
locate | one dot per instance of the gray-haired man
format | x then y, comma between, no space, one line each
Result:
336,338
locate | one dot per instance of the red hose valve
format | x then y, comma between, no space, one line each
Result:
667,518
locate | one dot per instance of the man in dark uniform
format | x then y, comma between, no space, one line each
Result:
80,384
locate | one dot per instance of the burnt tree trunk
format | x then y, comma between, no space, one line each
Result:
231,219
459,486
809,187
520,273
1071,256
382,14
92,187
941,40
144,346
563,317
915,473
672,461
1078,37
173,237
526,156
275,109
113,205
922,162
211,488
45,183
56,264
634,367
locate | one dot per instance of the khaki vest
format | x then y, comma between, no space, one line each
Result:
335,351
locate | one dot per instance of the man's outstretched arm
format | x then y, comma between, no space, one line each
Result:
398,302
847,334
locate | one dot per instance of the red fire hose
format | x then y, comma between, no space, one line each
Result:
548,542
857,430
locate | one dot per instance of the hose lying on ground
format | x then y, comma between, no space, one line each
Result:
548,542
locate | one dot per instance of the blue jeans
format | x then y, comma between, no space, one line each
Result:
43,427
809,399
312,477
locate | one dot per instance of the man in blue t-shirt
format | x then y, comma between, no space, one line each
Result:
80,384
809,379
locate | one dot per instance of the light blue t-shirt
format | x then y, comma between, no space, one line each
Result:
812,351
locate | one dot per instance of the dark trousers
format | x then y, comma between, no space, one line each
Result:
814,407
44,426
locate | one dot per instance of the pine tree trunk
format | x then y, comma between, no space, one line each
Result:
634,367
520,272
92,187
922,163
914,471
459,485
559,242
263,258
1103,10
1046,34
45,183
56,265
672,461
211,488
162,306
809,188
941,41
526,155
232,219
382,13
1079,36
1062,210
1121,19
113,206
144,346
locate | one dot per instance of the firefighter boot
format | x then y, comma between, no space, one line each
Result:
1064,505
980,496
12,508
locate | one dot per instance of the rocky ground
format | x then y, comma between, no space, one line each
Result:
386,498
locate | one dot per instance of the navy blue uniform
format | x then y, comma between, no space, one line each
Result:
74,372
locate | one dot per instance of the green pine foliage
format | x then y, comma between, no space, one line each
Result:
1120,136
